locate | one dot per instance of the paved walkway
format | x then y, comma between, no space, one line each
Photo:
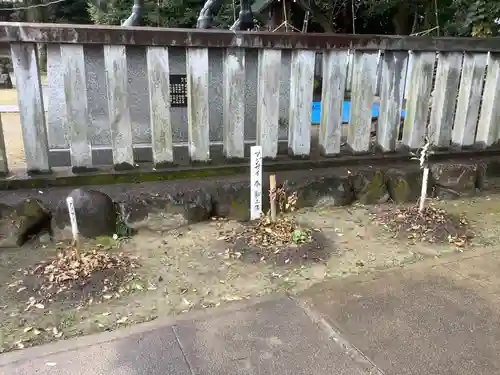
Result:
425,319
14,108
9,108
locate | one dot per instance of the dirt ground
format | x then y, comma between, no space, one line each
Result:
12,132
12,128
193,268
13,137
8,96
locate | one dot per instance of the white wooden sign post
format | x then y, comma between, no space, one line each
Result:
255,182
72,218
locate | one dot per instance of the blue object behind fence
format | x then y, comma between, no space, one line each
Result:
346,112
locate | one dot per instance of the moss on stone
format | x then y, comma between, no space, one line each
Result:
375,189
401,191
239,209
144,174
32,208
106,241
28,219
110,177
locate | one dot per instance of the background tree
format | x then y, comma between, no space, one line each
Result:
474,18
403,17
160,13
70,11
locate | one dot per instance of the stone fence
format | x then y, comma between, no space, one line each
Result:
126,96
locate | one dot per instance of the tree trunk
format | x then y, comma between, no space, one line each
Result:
401,22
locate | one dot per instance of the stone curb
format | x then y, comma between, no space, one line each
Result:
196,201
107,175
334,187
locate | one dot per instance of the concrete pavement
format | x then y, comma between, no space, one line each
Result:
431,320
270,337
424,319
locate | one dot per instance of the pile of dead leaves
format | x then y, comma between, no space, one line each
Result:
433,225
75,270
283,241
268,234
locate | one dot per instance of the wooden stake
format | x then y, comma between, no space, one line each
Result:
272,196
423,192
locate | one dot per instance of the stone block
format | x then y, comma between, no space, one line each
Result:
23,222
488,176
321,191
370,186
454,180
95,211
232,201
404,184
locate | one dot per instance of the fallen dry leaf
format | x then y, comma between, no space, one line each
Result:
56,332
233,298
270,237
14,284
433,225
70,267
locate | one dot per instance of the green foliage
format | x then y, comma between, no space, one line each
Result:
110,13
451,17
172,13
74,11
475,18
123,230
300,236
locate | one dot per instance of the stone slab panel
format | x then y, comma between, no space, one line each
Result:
416,322
154,353
275,337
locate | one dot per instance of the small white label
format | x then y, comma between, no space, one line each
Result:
255,182
72,217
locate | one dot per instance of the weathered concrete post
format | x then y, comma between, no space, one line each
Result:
245,18
136,17
212,7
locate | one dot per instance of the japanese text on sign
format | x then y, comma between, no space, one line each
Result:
255,182
178,90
